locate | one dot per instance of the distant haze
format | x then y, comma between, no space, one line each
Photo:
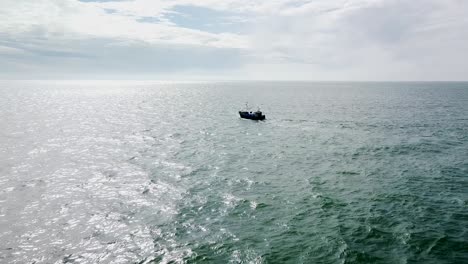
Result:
237,40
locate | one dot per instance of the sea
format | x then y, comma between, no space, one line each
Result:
167,172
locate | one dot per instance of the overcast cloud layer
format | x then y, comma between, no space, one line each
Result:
227,39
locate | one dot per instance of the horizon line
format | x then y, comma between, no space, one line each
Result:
240,80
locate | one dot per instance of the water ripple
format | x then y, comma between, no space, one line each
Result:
167,173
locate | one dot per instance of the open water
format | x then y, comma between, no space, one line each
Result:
166,172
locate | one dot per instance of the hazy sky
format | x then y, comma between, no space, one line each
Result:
234,39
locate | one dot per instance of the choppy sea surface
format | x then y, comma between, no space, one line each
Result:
166,172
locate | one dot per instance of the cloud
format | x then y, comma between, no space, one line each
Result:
107,58
366,40
10,51
257,39
58,19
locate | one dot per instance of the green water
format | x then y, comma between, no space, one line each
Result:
146,172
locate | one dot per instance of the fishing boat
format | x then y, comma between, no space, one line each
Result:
257,115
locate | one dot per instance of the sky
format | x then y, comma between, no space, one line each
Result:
337,40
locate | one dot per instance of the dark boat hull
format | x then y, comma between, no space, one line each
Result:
251,116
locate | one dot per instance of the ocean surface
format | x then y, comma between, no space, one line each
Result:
167,172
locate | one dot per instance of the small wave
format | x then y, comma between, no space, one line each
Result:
402,149
348,173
